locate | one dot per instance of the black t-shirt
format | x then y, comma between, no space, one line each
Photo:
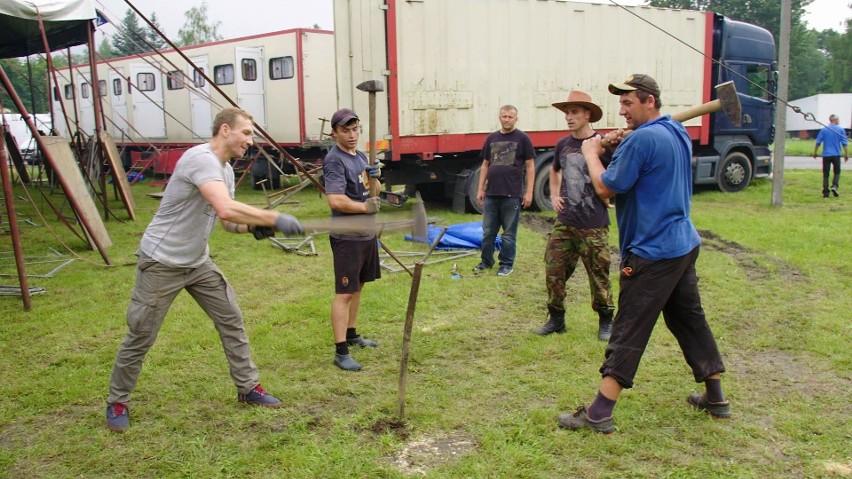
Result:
582,207
506,154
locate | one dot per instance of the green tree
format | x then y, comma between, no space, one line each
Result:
28,81
129,40
198,28
154,39
105,49
839,67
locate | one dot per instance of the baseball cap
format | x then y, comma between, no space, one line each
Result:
634,82
342,117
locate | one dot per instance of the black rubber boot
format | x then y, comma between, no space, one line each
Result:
604,324
555,323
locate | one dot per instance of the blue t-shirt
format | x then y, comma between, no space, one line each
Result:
343,174
832,136
651,172
582,207
506,154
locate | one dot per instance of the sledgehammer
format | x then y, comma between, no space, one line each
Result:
371,87
726,101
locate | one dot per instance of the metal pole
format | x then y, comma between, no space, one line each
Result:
781,111
406,339
13,225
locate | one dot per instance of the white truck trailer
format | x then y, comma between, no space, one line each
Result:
449,65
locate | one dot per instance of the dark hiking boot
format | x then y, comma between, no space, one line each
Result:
717,410
361,341
580,420
480,268
259,397
555,323
834,191
604,325
346,362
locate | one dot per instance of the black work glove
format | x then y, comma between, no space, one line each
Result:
288,225
262,232
373,205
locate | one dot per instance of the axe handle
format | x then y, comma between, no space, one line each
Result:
375,186
685,115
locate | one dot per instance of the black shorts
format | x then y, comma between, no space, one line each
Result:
355,263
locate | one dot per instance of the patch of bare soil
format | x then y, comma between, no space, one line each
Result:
538,223
418,457
747,259
397,427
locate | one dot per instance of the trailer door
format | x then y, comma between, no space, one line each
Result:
118,101
87,105
251,89
149,117
201,111
60,126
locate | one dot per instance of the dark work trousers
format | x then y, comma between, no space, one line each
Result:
829,163
648,288
157,285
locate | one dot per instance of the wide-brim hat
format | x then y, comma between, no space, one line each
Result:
637,81
583,99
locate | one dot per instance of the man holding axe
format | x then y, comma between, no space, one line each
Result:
650,177
356,254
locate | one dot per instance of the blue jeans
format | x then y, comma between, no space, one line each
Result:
500,211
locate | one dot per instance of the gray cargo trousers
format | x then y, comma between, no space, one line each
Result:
157,285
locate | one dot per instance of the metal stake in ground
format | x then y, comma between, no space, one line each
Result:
409,324
371,87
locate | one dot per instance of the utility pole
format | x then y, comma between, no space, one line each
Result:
781,108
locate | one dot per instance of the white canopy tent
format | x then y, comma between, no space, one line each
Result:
65,23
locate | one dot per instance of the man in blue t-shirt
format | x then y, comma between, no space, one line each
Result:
650,177
832,137
506,156
356,254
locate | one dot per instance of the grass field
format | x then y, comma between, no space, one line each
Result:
483,391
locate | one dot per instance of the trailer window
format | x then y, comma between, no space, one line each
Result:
84,90
174,80
223,74
102,89
198,78
280,68
249,69
145,82
116,87
56,94
69,92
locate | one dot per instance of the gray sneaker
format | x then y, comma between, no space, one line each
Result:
504,271
579,420
361,341
717,410
346,362
118,417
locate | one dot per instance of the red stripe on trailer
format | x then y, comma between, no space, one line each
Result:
301,86
393,81
704,136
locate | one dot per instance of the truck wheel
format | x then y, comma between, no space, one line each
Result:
734,172
472,188
541,188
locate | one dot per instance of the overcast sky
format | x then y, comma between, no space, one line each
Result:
261,16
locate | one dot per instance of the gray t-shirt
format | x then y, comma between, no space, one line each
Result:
343,174
178,234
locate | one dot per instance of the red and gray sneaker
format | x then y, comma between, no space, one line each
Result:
118,417
259,397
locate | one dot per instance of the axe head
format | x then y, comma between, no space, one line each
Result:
418,227
371,86
730,101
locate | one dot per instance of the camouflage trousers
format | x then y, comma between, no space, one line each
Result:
565,247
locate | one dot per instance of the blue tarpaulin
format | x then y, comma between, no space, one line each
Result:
458,236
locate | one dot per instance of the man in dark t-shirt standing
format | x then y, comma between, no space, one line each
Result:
506,156
356,254
581,230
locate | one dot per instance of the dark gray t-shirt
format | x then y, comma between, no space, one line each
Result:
506,154
343,175
582,207
178,234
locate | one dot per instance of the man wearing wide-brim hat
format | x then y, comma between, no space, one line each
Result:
581,230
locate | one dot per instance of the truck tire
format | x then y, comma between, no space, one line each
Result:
734,172
472,188
541,188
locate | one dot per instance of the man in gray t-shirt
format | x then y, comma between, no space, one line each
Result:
174,255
